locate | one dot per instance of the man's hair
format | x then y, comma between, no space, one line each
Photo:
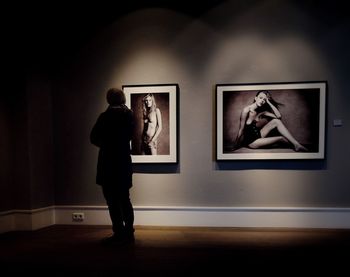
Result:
115,96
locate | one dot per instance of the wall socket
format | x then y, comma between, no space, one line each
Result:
78,217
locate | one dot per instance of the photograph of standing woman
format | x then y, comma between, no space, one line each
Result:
151,133
270,121
152,125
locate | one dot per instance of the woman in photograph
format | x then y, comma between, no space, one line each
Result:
258,120
152,125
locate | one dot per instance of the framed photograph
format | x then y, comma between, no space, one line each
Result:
270,121
155,133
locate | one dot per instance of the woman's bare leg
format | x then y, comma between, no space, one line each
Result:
153,147
276,123
261,142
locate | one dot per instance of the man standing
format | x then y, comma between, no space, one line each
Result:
112,134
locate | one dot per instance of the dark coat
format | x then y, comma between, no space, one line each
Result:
112,134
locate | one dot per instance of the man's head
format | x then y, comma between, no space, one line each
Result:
115,97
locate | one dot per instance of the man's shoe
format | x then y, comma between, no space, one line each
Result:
111,240
117,240
129,238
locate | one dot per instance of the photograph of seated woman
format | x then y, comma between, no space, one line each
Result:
152,125
261,125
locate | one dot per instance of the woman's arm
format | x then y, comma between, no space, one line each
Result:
276,113
242,121
159,125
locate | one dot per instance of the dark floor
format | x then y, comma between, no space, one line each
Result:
65,250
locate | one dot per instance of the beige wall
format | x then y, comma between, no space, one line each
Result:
6,147
266,41
26,144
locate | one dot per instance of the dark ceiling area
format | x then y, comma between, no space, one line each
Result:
51,31
45,32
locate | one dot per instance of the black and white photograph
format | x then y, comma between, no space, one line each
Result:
154,137
270,121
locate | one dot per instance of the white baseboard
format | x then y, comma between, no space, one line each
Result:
6,222
245,217
285,217
23,220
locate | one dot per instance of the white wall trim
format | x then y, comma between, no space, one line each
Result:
245,217
6,222
299,217
279,217
23,220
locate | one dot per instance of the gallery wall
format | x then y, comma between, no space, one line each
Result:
262,41
47,159
26,143
6,147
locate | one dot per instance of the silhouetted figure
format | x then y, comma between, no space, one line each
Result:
112,134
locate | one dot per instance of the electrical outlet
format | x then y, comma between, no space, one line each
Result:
78,217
